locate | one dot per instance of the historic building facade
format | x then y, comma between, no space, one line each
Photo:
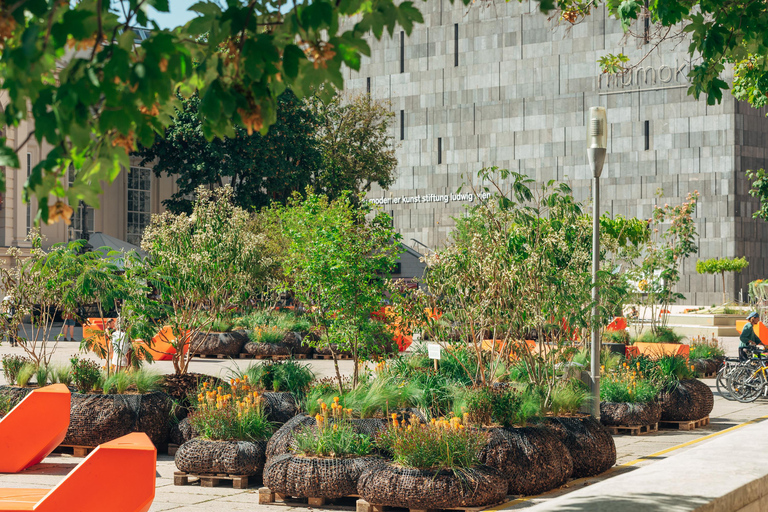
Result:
500,84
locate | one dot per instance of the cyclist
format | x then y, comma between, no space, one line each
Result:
748,336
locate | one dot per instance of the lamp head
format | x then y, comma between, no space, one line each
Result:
597,128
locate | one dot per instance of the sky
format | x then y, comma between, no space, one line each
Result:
179,14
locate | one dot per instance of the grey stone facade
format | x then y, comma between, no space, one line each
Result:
518,99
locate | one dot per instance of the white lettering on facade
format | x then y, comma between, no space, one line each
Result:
645,76
429,199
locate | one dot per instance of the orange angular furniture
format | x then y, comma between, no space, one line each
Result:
118,476
32,429
161,348
619,323
760,329
657,350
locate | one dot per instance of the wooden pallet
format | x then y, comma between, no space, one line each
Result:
265,495
685,425
364,506
273,358
238,481
75,451
634,430
211,356
172,449
709,375
340,357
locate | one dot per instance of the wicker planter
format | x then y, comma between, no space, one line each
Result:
690,400
623,414
96,419
280,406
589,443
531,459
326,351
182,432
282,441
219,343
705,366
266,349
295,343
200,456
310,477
396,486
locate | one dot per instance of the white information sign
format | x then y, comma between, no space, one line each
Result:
434,350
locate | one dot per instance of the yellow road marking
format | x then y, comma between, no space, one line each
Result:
633,462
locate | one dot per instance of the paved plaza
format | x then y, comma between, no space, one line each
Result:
633,452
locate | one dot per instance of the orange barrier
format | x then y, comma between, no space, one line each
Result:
656,350
118,476
162,349
93,330
32,429
760,329
618,324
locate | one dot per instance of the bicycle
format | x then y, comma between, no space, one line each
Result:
749,380
724,375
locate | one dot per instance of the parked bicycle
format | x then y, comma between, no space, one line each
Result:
748,380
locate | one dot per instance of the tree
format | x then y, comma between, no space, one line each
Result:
199,266
721,266
357,148
260,168
339,262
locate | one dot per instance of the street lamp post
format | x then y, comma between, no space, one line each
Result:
597,142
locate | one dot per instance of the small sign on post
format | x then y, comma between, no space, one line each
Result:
434,351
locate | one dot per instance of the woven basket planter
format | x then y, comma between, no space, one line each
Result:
266,349
397,486
310,477
200,456
589,443
182,432
531,459
624,414
96,419
690,400
283,442
228,344
295,343
705,366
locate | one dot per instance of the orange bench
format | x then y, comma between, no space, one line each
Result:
657,350
118,476
32,429
162,348
760,329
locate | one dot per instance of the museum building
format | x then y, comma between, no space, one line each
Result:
500,84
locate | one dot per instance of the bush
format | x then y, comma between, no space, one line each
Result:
671,369
42,374
332,439
661,335
706,350
504,406
24,375
11,366
567,398
439,445
372,398
279,376
266,334
85,374
147,382
61,375
626,385
6,404
616,337
234,416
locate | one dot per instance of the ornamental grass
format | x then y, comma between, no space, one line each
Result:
627,384
332,435
444,444
236,414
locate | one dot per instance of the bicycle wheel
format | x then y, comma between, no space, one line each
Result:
745,385
723,376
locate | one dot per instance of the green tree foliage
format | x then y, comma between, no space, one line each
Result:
339,259
721,266
260,168
357,148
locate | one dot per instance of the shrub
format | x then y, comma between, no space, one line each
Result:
288,376
333,435
5,405
234,416
616,337
11,366
62,375
42,374
671,369
146,382
706,350
118,382
439,445
628,385
85,374
568,397
266,334
374,397
505,406
662,335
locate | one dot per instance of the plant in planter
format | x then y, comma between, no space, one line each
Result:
267,340
683,397
435,466
660,335
627,398
279,376
233,432
12,365
706,356
331,451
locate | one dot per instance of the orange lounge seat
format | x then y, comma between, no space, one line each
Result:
657,350
760,329
32,429
162,348
118,476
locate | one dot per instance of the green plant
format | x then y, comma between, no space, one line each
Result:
332,439
721,266
568,397
11,366
440,445
374,397
266,334
234,416
626,386
25,374
146,381
62,374
118,382
616,337
6,404
501,405
85,374
661,335
288,376
42,374
672,369
706,350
